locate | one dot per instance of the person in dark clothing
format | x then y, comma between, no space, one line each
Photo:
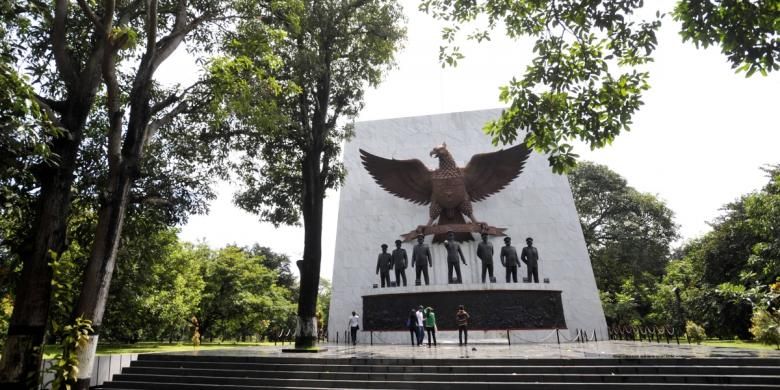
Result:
462,320
510,260
384,263
400,261
530,256
411,323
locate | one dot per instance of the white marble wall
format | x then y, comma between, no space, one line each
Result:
537,204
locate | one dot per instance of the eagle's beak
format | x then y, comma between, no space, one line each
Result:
433,153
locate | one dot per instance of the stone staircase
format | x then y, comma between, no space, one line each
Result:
175,372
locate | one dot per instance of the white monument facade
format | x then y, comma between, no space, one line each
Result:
537,204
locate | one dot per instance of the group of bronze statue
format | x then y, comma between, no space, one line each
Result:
422,259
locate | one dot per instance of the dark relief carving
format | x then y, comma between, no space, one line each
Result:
489,309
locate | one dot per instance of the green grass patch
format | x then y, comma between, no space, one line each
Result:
738,344
147,347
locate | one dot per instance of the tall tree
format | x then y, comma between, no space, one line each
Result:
327,52
586,78
629,236
70,50
65,61
133,119
741,252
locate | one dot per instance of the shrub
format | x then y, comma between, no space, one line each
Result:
695,332
765,327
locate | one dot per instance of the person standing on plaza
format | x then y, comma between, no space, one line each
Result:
411,323
354,326
420,324
462,320
430,325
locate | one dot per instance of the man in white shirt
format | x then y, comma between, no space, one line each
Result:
354,325
420,331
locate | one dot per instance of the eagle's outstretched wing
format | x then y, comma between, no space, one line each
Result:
408,179
488,173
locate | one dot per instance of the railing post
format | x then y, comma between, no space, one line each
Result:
508,340
558,336
337,338
372,337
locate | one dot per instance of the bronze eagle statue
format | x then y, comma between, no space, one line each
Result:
449,189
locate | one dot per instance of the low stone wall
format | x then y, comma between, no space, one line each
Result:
104,369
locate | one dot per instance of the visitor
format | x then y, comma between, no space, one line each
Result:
430,325
354,326
411,324
462,320
420,324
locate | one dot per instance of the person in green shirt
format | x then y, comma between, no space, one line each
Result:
430,325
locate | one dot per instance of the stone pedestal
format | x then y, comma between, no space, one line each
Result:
537,204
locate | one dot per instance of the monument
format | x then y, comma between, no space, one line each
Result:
502,192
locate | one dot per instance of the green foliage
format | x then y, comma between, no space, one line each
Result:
628,235
283,115
241,297
66,365
721,275
695,332
584,81
747,32
766,327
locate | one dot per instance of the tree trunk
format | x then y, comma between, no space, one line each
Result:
100,267
306,327
22,353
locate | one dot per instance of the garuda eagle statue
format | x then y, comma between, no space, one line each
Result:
449,189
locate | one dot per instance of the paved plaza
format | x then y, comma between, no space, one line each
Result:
602,349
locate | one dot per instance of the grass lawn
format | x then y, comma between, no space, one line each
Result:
738,344
143,347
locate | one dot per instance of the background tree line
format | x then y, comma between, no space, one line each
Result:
727,280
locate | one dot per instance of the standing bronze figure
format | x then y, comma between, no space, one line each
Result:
530,257
383,264
421,259
449,189
400,261
485,253
453,255
510,260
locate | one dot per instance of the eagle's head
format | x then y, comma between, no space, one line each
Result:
440,151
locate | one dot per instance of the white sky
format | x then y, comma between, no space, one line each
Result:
697,143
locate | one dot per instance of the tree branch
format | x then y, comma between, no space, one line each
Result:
59,46
91,15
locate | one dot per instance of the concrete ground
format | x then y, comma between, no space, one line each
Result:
601,349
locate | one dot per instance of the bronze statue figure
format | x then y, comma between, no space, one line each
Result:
509,260
400,261
421,259
449,189
485,253
383,264
530,257
453,255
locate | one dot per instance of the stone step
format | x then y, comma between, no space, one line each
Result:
351,380
727,361
487,369
117,385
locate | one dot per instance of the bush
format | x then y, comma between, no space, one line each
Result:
765,327
695,332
